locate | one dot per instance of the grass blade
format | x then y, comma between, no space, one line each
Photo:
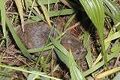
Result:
68,59
88,48
45,12
20,11
106,73
26,71
54,14
95,11
17,40
113,10
98,65
3,15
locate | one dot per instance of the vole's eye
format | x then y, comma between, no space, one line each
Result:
77,53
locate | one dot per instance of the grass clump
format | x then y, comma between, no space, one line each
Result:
73,17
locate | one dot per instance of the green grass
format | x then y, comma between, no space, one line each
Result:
97,11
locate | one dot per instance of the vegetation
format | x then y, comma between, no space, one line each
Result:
101,30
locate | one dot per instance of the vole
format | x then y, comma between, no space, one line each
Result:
36,35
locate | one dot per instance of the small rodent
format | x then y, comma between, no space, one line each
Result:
77,48
36,35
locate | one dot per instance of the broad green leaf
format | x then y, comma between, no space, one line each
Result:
95,11
113,10
75,73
